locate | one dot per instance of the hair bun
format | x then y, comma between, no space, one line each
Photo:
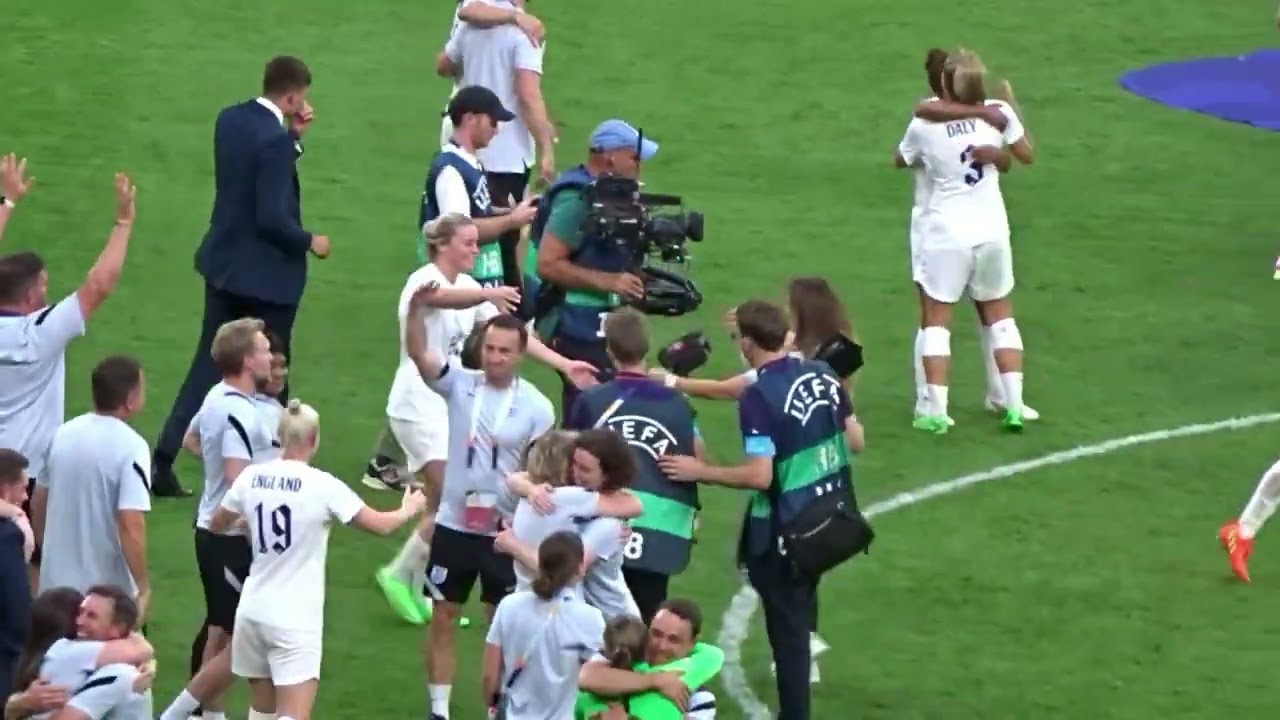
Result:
295,406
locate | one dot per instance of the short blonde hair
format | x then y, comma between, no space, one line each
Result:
299,425
547,460
441,230
964,77
234,342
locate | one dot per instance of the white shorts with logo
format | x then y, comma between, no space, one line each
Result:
423,441
984,272
265,652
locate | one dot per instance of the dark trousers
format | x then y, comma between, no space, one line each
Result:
504,188
592,352
790,614
648,589
220,307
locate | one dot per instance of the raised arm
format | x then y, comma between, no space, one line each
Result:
103,277
14,184
947,111
429,364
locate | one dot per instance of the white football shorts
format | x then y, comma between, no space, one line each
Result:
984,272
286,657
423,441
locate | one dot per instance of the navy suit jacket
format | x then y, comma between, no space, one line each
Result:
255,246
15,603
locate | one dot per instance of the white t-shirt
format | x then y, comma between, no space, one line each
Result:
504,422
965,207
98,466
230,425
577,510
33,372
451,190
290,507
921,186
491,57
411,399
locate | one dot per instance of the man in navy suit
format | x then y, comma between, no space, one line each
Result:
254,256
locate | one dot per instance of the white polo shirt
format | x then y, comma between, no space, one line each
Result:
33,377
231,425
490,57
98,465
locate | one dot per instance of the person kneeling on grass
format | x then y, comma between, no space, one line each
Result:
651,673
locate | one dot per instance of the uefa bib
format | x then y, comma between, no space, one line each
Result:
488,267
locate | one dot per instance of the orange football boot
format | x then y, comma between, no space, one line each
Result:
1238,548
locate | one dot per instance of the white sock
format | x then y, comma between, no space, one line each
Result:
1012,382
255,715
938,399
995,388
1266,497
182,707
214,715
922,394
439,695
413,556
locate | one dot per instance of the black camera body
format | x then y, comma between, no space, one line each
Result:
654,231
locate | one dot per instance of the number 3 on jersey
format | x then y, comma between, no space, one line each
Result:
281,519
976,171
634,547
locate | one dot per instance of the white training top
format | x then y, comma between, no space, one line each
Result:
411,399
544,644
33,377
490,429
965,207
290,507
98,465
95,692
271,410
230,425
491,57
577,510
921,187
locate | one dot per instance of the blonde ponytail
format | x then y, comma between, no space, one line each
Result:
299,425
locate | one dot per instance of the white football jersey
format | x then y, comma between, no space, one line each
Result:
964,206
447,329
289,507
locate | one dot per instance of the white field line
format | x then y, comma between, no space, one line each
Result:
736,621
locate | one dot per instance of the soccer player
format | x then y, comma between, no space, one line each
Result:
964,246
602,467
231,433
288,507
937,109
1237,536
494,416
540,637
101,660
417,414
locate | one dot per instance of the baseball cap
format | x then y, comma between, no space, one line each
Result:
617,134
478,100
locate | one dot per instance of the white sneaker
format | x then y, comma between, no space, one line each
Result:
996,405
817,645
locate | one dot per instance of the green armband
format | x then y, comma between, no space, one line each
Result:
700,667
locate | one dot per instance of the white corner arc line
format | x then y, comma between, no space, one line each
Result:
735,624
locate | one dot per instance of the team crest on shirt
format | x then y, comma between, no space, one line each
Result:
810,392
437,574
481,196
644,433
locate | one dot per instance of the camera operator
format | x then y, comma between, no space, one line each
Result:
798,428
654,420
590,271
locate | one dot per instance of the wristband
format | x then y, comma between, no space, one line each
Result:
670,380
6,202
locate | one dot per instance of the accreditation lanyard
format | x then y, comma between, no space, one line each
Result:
504,409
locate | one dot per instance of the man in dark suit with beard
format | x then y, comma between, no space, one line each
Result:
254,256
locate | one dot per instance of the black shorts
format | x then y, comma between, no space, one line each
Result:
503,186
649,590
459,558
224,562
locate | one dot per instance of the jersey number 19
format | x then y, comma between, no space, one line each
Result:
281,520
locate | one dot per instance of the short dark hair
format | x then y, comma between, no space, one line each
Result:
509,322
113,380
18,272
13,466
617,464
285,74
275,342
687,610
626,336
765,324
124,611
